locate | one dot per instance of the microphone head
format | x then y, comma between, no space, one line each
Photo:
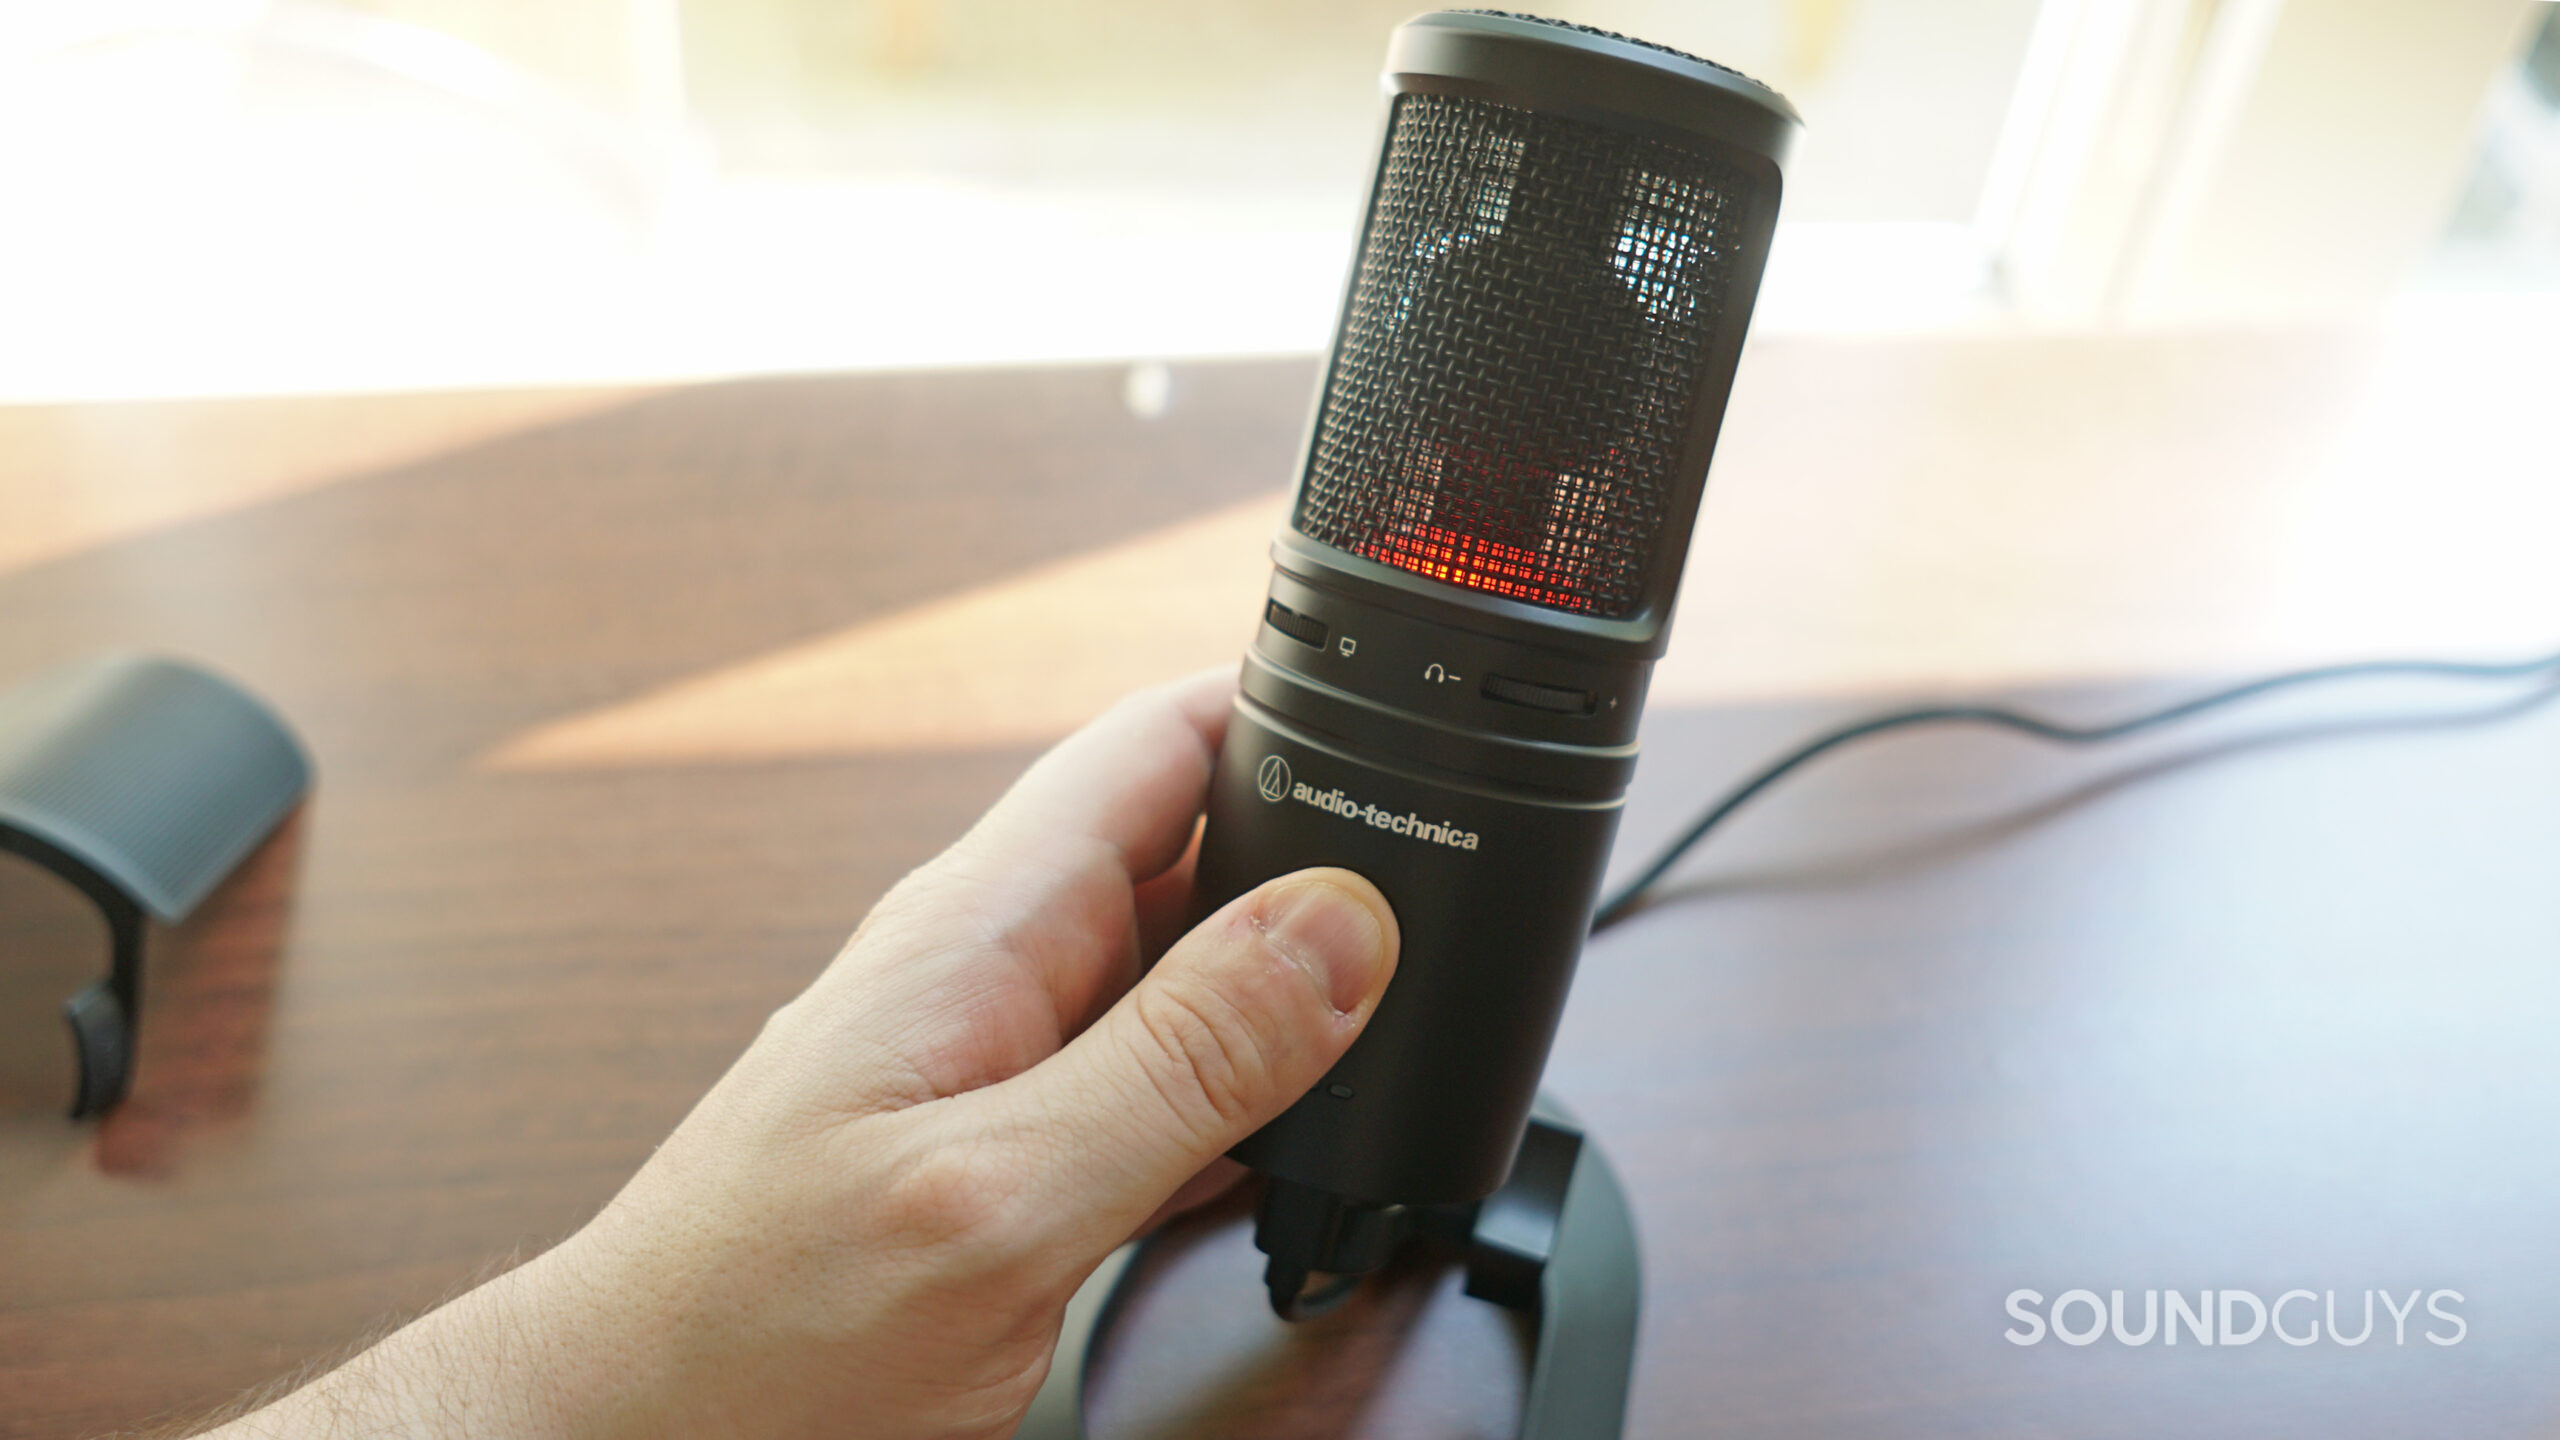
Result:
1564,239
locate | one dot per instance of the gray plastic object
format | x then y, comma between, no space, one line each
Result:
142,782
1557,1240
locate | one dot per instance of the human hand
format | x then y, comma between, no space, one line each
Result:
872,1224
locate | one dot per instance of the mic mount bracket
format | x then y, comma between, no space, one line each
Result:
1557,1241
141,782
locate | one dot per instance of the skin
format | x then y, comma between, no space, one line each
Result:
872,1224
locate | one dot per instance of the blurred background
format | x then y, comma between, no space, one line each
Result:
243,196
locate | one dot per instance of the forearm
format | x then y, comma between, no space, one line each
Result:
513,1359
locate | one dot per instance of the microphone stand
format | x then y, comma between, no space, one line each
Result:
1556,1241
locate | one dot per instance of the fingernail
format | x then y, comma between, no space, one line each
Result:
1329,933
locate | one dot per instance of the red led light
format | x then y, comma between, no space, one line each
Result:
1489,566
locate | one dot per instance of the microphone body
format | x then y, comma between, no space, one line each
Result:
1564,238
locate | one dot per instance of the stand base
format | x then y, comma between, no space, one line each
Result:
1556,1241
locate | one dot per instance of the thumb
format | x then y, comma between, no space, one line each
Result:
1238,1020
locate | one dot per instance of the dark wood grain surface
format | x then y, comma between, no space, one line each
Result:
2266,1004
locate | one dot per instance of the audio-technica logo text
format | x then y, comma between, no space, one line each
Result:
1276,784
2082,1317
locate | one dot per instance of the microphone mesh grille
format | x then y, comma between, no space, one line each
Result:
1512,389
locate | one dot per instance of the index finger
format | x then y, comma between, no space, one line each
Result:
983,961
1134,780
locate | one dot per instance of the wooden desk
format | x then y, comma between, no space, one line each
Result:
1949,1018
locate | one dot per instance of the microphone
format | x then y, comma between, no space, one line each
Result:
1564,238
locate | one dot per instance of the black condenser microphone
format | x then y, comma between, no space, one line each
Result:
1564,237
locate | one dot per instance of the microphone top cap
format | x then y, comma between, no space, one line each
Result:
1598,33
1565,64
